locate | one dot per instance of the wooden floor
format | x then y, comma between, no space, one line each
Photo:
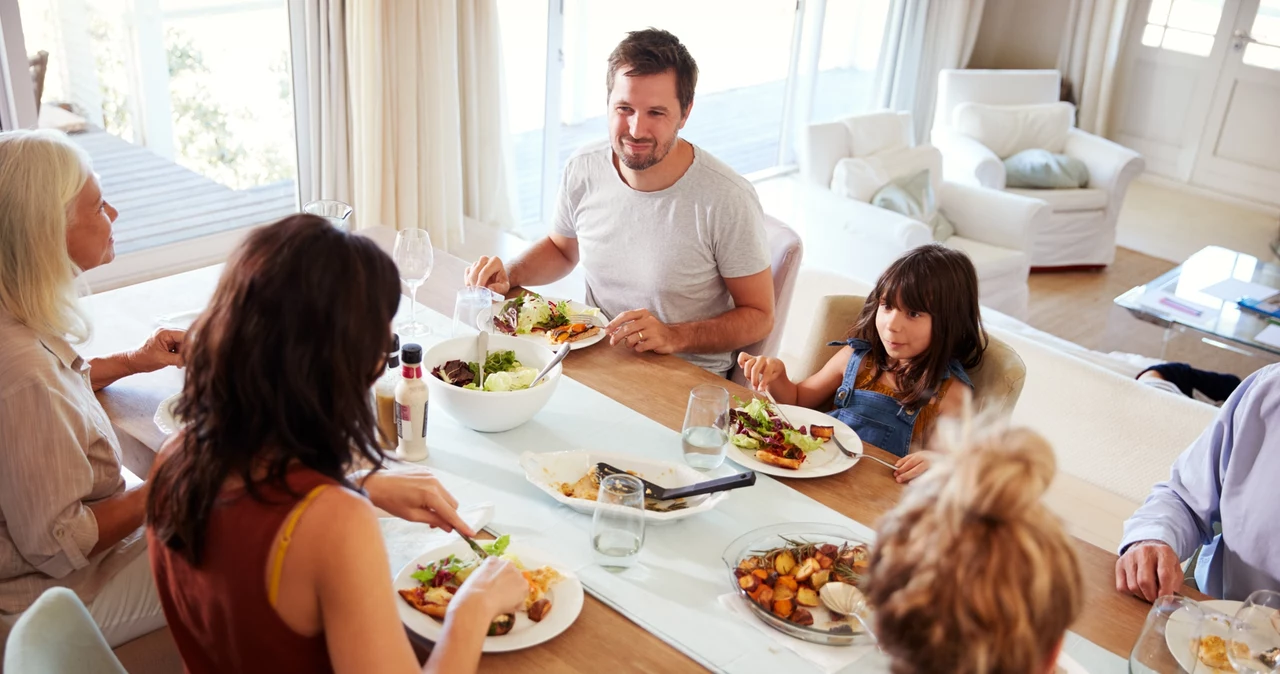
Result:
161,202
1077,306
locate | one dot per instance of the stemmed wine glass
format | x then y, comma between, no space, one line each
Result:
415,258
1254,643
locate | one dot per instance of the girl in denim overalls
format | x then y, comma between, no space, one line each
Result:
917,334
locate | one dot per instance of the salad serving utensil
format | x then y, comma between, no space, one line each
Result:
560,354
482,353
736,481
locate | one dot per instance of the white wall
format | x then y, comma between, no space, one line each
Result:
1020,34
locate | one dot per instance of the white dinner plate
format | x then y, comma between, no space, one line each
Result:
566,600
574,307
165,419
1181,629
827,461
547,471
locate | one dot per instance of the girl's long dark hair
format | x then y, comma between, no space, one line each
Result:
938,281
278,371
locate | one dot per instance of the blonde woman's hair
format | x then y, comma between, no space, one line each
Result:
971,573
41,172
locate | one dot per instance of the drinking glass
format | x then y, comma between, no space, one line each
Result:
1254,644
336,212
1172,619
473,309
414,257
706,427
617,527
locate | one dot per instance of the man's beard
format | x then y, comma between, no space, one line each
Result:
648,160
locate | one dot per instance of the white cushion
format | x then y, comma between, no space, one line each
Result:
992,262
857,179
1009,129
878,132
1068,200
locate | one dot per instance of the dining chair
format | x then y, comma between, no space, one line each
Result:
57,634
785,251
997,381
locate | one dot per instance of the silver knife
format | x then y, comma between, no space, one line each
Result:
474,545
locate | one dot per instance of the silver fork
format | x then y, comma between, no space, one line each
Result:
585,319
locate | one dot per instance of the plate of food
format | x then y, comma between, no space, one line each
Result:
427,584
803,580
571,479
1211,651
165,419
760,439
549,321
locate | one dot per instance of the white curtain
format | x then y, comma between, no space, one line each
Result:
328,103
924,38
1089,58
426,103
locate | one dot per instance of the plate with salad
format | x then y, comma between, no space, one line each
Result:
426,585
760,439
549,321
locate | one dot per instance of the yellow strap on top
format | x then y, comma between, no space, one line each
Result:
286,536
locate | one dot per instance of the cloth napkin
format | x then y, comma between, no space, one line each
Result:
828,659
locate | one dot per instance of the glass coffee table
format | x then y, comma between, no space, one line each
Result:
1177,301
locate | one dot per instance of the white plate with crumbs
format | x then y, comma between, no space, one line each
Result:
556,473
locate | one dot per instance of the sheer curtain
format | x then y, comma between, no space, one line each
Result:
426,116
924,38
328,103
1089,57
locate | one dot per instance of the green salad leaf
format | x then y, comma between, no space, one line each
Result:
497,547
500,361
804,442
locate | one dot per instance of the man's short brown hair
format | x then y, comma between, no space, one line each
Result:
653,51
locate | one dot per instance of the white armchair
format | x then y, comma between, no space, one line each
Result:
1081,231
994,228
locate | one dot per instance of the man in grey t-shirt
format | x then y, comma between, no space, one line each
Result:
671,239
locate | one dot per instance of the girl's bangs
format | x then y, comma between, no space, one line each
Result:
903,288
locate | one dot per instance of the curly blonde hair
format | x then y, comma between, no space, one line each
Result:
971,573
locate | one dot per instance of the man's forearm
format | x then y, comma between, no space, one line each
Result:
543,263
731,330
118,516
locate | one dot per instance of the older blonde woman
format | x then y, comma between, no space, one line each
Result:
66,517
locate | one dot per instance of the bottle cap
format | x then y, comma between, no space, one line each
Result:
393,356
411,354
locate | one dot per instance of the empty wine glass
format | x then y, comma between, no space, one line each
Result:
706,427
1172,621
414,257
1254,645
336,212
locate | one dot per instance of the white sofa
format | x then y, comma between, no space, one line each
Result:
992,227
1081,233
1114,438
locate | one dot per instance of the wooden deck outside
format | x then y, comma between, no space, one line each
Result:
161,202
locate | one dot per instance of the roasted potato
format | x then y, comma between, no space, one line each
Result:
540,609
763,595
824,561
740,572
822,432
801,616
807,596
784,563
788,581
502,624
820,578
807,568
749,563
749,582
828,549
762,574
771,579
783,608
781,591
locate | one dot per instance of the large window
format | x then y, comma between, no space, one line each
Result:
1186,26
766,68
185,107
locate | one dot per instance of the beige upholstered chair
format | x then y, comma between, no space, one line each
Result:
997,381
785,251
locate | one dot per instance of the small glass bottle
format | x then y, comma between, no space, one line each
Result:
384,396
411,406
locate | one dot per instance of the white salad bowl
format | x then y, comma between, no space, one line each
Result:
489,411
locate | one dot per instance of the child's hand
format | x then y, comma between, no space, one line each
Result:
760,371
913,465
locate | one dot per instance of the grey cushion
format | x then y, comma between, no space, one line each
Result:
913,197
1043,169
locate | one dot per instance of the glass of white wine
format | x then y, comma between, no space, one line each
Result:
617,526
706,427
415,258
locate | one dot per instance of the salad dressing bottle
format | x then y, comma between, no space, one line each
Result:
384,396
411,406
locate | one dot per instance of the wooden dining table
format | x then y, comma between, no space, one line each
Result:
657,387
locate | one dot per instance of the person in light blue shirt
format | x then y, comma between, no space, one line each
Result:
1230,476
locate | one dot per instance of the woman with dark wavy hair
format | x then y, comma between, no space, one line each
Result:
267,556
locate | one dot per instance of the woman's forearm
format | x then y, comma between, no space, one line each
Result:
107,370
458,648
